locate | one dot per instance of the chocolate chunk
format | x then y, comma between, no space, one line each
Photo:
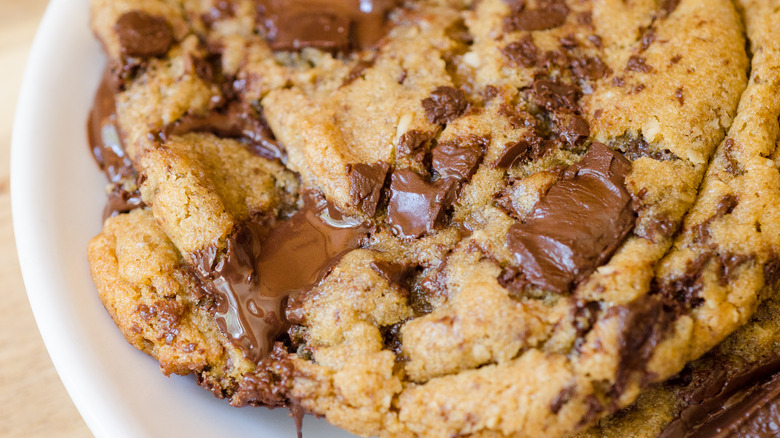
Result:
166,316
680,95
668,6
729,399
642,325
574,130
490,93
522,52
528,149
418,207
555,96
394,273
413,144
596,41
685,289
444,105
235,121
547,15
513,153
636,148
729,263
459,159
329,25
365,184
638,64
122,201
578,224
263,266
588,68
143,35
513,280
220,10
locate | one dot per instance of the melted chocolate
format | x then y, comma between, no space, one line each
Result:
333,25
143,35
458,159
578,224
105,142
235,121
260,269
727,402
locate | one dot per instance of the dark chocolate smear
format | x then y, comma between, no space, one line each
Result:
578,224
417,207
444,105
332,25
234,121
143,35
365,184
105,141
548,14
261,268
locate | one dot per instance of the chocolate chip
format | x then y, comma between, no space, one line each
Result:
668,6
647,39
636,148
569,42
365,184
619,81
394,273
586,67
725,206
444,105
574,130
513,280
638,64
675,59
596,41
547,15
490,93
555,96
459,159
772,272
522,52
578,224
680,95
413,143
143,35
357,71
391,338
418,207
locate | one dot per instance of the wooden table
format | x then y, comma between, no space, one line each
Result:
33,402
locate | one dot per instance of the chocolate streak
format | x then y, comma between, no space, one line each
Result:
262,268
578,224
334,25
105,142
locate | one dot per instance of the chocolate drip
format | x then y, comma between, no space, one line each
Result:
105,142
578,224
262,268
333,25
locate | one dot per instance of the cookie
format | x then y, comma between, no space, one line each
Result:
431,218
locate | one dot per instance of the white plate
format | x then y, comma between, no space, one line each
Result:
57,198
